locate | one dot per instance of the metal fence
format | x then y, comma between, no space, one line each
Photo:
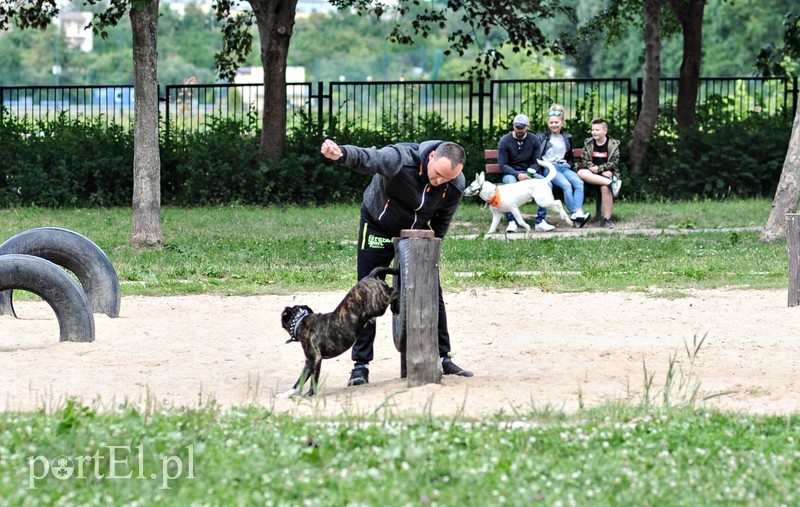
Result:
399,105
373,104
582,98
35,104
739,95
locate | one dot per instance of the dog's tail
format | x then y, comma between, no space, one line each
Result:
381,272
551,169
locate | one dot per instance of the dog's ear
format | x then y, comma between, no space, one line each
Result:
481,178
286,316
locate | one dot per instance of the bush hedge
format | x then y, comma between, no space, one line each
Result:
67,163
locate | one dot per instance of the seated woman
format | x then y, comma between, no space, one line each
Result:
556,147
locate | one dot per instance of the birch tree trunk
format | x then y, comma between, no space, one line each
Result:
146,230
788,188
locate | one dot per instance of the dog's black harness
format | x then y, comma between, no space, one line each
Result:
296,320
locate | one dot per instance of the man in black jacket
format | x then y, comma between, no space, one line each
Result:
516,153
414,186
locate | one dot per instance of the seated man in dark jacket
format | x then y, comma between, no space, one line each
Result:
414,186
516,153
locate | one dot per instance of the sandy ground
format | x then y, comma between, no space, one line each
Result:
577,349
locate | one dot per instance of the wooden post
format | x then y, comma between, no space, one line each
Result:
421,359
793,244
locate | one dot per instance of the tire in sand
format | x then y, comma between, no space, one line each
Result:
56,287
78,254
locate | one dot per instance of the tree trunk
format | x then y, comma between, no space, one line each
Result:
646,123
690,15
275,21
788,191
146,230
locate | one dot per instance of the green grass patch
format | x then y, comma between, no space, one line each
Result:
613,455
250,250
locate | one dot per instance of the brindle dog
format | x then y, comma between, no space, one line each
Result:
326,335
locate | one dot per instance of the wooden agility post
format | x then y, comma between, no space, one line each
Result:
793,244
420,362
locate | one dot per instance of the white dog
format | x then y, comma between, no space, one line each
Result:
508,198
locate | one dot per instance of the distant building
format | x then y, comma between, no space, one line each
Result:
308,7
255,75
76,33
179,6
249,75
113,96
296,96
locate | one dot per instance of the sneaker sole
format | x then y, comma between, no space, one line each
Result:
462,373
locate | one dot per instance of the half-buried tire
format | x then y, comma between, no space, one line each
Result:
398,283
78,254
56,287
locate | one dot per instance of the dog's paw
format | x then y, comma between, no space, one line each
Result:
286,394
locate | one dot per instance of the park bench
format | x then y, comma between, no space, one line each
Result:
492,167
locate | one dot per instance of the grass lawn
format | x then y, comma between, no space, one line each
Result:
246,250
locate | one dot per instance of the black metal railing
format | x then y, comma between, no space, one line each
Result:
373,104
582,98
34,104
741,95
403,104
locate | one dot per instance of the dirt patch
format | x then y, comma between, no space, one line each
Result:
527,349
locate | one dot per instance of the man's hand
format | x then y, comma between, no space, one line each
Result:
523,176
331,150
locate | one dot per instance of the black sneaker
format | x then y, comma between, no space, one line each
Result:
451,368
359,376
579,222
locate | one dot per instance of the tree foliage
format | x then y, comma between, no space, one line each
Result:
237,38
733,34
27,14
782,61
487,28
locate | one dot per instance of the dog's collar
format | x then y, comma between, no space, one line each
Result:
296,320
495,200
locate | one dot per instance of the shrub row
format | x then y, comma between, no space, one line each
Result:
86,163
